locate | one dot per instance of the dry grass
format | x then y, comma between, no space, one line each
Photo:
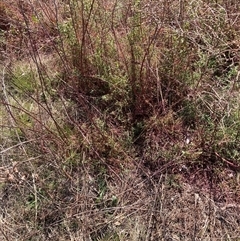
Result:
119,120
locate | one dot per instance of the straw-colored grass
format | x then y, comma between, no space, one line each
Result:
119,120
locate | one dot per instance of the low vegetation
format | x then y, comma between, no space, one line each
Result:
120,120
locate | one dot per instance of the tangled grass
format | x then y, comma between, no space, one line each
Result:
119,120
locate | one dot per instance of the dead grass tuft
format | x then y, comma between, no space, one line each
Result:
119,120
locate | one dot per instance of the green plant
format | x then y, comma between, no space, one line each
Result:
24,80
119,120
